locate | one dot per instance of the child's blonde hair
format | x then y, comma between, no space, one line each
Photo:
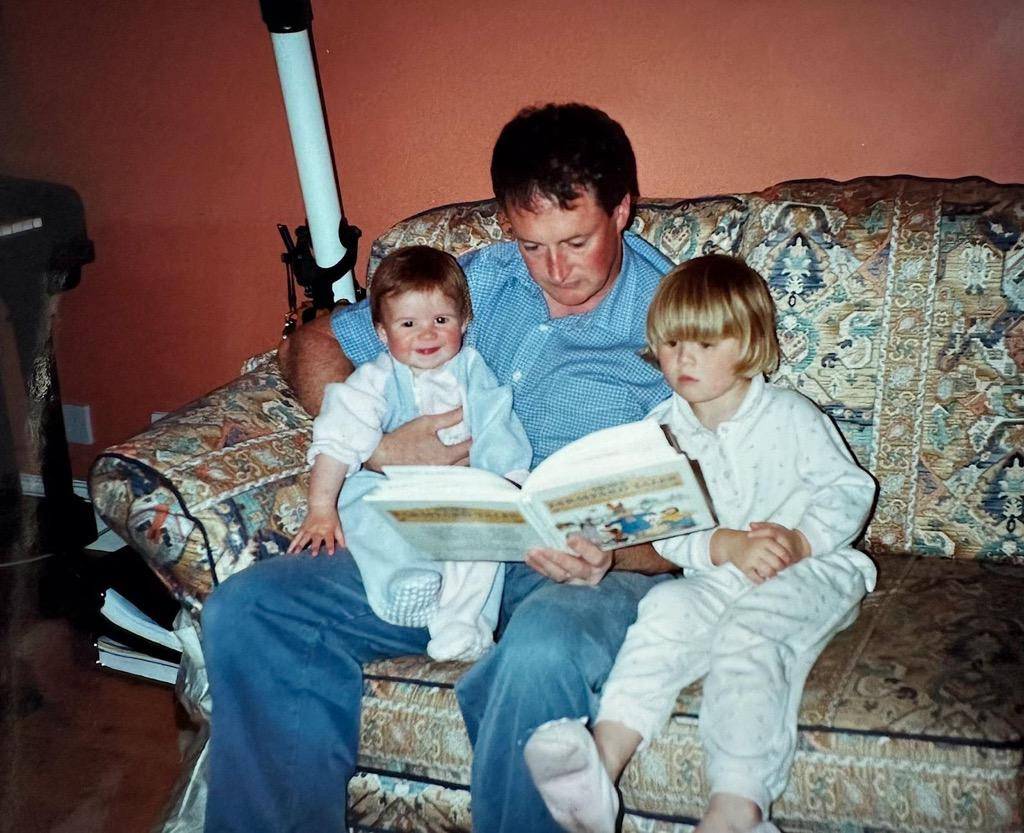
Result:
419,269
714,297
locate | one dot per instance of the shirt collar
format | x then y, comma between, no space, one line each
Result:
613,313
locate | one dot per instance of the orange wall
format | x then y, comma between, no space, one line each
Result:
167,118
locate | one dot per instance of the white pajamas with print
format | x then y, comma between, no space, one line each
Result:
778,459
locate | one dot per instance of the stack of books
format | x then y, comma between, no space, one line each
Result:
140,646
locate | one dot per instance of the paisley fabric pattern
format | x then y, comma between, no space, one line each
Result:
213,487
901,312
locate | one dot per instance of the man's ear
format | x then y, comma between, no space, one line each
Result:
504,224
622,212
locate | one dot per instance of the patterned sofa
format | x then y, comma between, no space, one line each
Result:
901,312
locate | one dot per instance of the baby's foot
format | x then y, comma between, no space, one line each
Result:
459,641
411,597
565,765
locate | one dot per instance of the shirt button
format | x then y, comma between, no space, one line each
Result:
544,327
517,375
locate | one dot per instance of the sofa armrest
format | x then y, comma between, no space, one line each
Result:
213,487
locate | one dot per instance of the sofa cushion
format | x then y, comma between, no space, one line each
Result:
901,313
912,720
213,487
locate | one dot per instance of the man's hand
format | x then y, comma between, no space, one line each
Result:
416,444
586,564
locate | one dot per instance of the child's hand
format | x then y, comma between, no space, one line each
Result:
760,554
761,560
321,527
792,540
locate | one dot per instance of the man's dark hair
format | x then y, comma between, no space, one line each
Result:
558,152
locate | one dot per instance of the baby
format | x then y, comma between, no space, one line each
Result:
420,306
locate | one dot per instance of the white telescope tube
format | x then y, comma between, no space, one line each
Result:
312,153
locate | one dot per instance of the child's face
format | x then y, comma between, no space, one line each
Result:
704,374
422,330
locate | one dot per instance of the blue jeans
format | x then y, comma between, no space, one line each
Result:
285,641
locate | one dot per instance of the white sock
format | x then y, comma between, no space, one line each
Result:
564,764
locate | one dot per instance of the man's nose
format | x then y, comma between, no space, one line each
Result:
558,268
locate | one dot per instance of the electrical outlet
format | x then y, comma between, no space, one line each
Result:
78,424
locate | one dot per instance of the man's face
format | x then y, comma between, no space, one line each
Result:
573,254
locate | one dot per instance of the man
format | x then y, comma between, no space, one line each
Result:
559,316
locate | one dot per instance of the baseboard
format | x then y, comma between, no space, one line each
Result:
106,541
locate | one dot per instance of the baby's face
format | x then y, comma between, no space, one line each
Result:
422,330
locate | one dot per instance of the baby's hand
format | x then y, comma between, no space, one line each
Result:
321,527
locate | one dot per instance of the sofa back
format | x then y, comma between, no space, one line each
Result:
900,312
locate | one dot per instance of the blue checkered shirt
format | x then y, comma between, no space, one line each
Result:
569,376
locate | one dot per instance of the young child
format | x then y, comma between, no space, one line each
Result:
420,305
761,595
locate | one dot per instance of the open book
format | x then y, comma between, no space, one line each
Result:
618,486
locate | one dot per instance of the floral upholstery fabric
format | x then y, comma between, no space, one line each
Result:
901,312
211,488
911,721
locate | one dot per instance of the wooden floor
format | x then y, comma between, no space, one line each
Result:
84,750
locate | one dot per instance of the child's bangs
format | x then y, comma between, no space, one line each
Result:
692,316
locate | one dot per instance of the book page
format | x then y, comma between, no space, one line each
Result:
649,502
416,482
620,448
